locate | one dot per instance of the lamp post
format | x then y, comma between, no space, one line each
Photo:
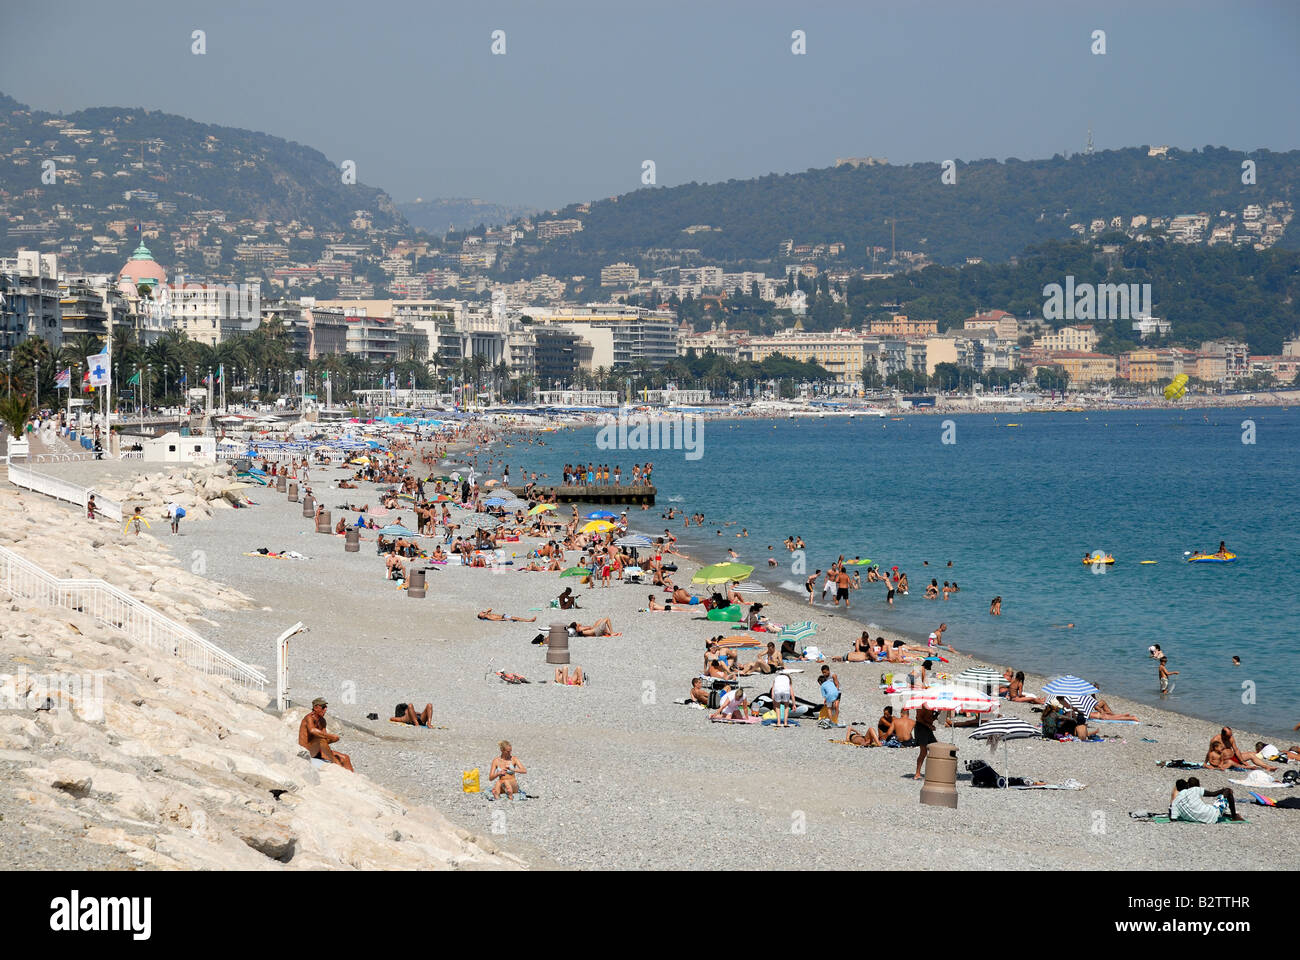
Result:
38,387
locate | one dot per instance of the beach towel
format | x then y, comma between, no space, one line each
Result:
1164,818
735,720
772,723
1070,784
1257,778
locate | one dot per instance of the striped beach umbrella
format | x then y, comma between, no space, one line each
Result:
634,540
1069,686
1004,729
754,588
800,632
1084,704
948,696
985,679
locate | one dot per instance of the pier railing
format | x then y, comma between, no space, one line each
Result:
115,608
59,489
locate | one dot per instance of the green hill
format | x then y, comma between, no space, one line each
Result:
994,210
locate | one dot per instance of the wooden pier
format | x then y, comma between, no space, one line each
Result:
595,493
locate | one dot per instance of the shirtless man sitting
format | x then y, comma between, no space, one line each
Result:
502,772
313,736
682,595
769,661
1224,754
396,569
901,728
698,693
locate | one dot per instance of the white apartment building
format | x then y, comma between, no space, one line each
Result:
29,300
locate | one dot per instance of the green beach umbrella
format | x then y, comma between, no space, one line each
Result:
541,508
722,573
800,632
576,572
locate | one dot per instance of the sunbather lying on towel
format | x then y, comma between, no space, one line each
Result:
603,627
489,615
405,713
567,678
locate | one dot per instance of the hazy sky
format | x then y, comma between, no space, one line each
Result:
586,91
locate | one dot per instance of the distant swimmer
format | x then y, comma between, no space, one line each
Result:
1223,549
1154,651
1236,661
995,608
1063,626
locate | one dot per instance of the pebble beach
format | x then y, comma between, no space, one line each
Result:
620,776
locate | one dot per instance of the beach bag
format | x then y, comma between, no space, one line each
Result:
469,781
982,775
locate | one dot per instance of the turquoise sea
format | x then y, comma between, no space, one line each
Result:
1015,508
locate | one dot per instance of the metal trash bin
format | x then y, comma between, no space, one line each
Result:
281,484
293,493
352,541
323,524
557,644
415,585
309,506
940,788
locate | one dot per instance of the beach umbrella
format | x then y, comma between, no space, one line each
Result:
722,573
1070,686
541,508
800,632
755,588
576,572
601,515
1084,704
634,540
1004,729
948,696
981,678
495,502
397,530
597,526
476,521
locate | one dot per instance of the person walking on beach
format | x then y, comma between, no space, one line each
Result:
313,736
832,693
842,587
810,585
90,507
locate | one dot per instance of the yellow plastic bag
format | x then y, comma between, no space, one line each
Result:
469,781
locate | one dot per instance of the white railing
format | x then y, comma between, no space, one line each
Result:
115,608
23,476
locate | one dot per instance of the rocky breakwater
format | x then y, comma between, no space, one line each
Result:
114,754
201,491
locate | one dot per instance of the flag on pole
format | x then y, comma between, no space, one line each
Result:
64,380
135,380
86,386
99,370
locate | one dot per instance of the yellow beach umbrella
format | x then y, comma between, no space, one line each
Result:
722,573
541,508
598,526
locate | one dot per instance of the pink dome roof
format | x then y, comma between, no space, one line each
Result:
142,268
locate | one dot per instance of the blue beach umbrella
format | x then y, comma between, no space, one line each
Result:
397,530
602,515
1067,686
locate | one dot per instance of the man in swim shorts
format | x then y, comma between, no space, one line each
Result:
313,736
